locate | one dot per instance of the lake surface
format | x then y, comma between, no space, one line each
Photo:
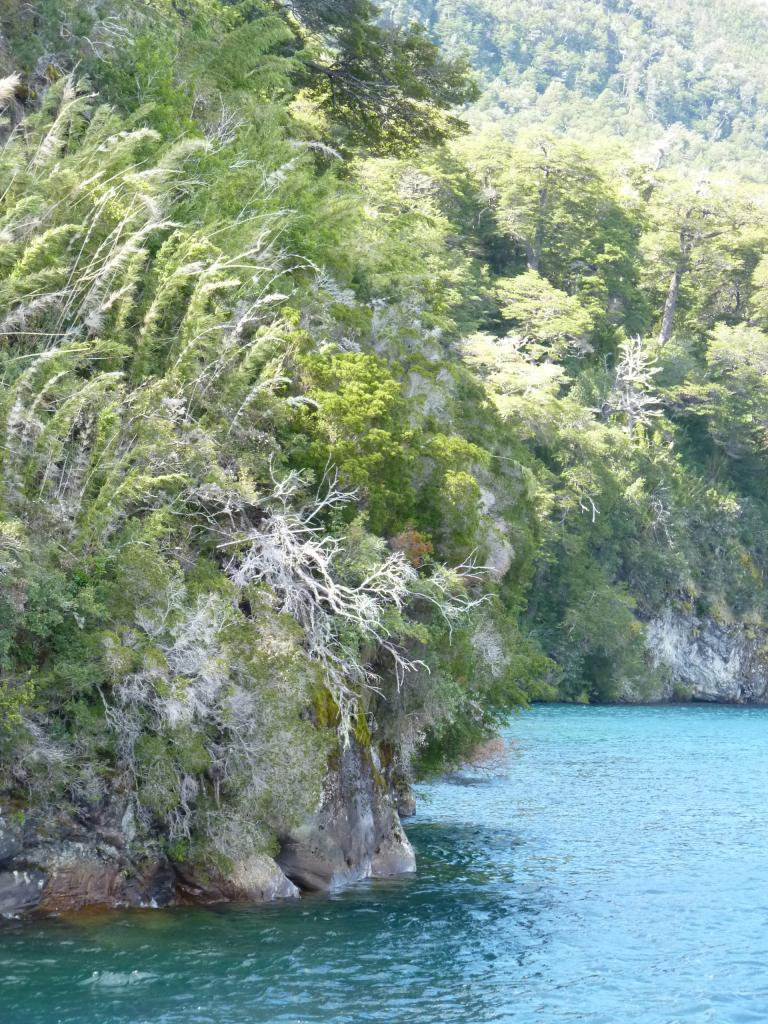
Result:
616,874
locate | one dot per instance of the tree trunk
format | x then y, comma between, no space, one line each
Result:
668,319
534,254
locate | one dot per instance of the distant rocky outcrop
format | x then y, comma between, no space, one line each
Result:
703,660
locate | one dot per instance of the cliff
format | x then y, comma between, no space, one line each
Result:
703,660
314,429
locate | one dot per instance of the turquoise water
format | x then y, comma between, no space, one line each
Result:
618,874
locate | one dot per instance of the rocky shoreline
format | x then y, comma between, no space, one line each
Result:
72,860
67,863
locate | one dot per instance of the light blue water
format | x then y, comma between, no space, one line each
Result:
617,875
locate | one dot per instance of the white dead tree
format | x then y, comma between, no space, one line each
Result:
297,558
631,395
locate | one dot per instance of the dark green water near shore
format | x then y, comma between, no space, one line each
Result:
617,873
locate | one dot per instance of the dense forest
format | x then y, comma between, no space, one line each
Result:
684,82
358,390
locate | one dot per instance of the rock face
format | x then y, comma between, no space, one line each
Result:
500,554
59,864
19,891
706,661
54,866
253,880
11,839
355,833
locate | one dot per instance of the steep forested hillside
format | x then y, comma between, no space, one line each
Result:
684,81
328,422
239,526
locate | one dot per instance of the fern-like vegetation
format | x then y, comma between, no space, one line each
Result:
197,460
324,421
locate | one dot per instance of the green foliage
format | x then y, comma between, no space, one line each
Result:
359,426
618,69
376,85
258,385
545,314
387,86
166,381
498,668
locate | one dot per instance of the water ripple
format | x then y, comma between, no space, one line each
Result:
617,875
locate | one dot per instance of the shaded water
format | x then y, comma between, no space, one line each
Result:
617,875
